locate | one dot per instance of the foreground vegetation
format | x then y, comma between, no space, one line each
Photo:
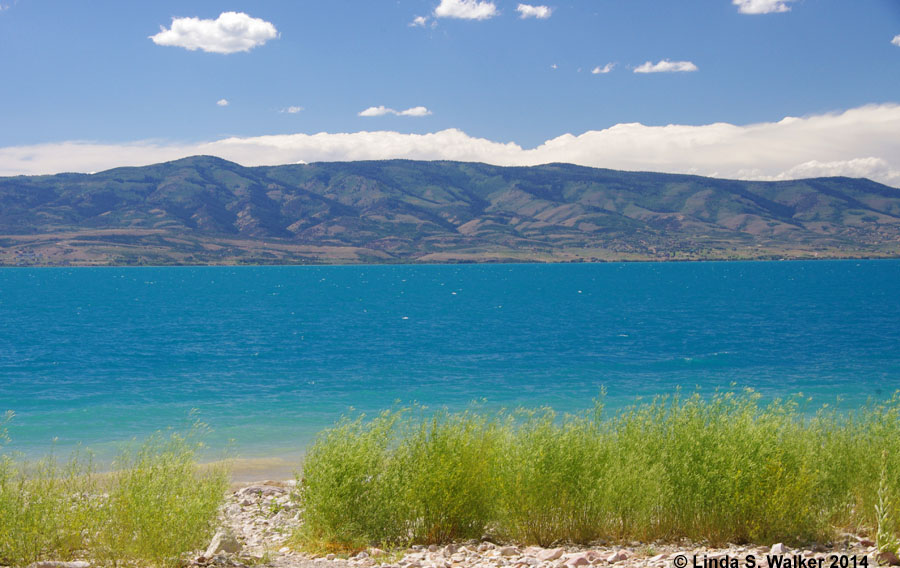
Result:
154,506
722,469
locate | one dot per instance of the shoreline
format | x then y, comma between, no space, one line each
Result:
261,470
257,520
464,262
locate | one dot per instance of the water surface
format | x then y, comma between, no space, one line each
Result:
269,355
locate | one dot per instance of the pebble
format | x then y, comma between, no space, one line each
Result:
261,517
777,549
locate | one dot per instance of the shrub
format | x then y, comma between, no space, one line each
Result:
723,468
154,506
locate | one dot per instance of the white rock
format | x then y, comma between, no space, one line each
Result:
617,556
777,549
508,551
329,557
550,554
658,558
577,560
223,542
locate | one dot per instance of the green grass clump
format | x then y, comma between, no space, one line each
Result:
153,507
724,468
161,504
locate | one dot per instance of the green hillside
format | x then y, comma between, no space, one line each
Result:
205,210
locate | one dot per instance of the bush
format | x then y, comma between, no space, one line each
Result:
724,468
154,506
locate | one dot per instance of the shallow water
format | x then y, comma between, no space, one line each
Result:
267,356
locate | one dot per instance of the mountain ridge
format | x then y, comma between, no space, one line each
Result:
206,210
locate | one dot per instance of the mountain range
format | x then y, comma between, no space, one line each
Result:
205,210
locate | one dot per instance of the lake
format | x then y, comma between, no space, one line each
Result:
267,356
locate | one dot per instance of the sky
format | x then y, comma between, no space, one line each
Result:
749,89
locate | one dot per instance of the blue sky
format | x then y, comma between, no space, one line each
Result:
78,76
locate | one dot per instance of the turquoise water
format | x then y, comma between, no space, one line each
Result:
269,355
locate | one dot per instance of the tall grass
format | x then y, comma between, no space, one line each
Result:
723,468
154,506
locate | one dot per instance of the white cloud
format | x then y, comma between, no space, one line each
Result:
383,110
292,109
860,142
222,102
418,22
466,9
896,40
529,11
762,6
603,70
666,66
229,33
415,111
377,111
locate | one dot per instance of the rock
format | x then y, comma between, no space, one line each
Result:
550,554
432,548
888,558
577,560
450,550
485,546
376,552
329,557
283,550
777,549
508,551
866,542
222,543
57,564
617,556
362,555
658,558
530,561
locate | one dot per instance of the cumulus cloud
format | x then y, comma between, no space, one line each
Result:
762,6
529,11
418,22
896,40
466,9
292,109
229,33
377,111
666,66
383,110
603,70
222,102
860,142
415,111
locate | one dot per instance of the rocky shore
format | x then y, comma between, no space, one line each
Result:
257,521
